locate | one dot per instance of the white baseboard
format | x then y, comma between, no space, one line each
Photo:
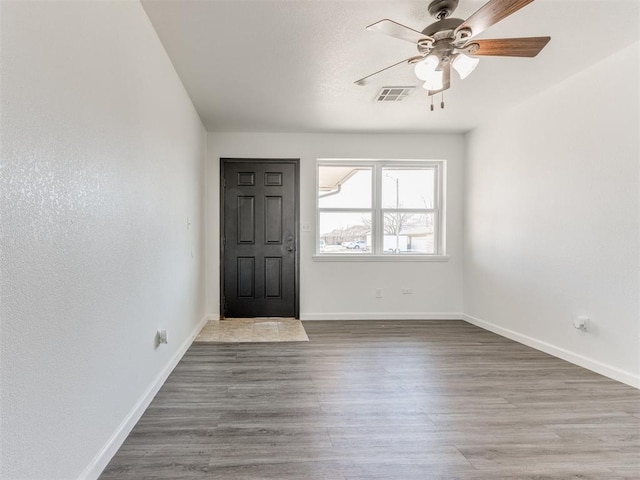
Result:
102,459
577,359
381,316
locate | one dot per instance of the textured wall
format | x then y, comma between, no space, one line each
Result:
102,163
347,289
552,219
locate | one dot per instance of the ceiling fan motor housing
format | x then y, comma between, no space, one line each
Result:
442,28
444,38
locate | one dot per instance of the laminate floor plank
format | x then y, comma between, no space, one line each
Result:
368,400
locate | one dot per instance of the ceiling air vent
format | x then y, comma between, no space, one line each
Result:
393,94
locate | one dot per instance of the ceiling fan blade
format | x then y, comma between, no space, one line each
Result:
507,47
446,79
489,14
397,30
365,80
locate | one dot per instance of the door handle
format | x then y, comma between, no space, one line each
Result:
289,249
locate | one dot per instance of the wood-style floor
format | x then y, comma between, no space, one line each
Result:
383,400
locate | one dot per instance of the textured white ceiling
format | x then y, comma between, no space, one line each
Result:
289,66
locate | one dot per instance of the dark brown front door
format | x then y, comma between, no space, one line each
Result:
259,238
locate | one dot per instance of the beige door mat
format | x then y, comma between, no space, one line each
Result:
240,330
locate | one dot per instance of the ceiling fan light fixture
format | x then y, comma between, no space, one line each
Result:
435,81
464,65
444,43
424,69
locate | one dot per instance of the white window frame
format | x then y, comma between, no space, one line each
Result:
377,212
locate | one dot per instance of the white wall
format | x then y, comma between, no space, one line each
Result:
102,163
347,290
552,220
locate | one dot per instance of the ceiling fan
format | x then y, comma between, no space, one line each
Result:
448,42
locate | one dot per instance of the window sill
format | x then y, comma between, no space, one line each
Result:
380,258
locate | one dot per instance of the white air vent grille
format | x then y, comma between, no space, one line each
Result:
393,94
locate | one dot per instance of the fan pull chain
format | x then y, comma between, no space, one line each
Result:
441,102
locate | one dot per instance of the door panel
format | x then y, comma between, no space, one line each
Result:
246,220
259,232
246,277
273,220
273,277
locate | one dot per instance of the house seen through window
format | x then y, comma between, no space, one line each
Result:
379,207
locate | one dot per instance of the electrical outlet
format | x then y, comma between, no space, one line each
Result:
162,336
378,293
407,291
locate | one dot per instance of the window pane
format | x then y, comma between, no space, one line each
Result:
344,187
345,232
408,188
408,233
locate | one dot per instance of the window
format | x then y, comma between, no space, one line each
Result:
390,208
